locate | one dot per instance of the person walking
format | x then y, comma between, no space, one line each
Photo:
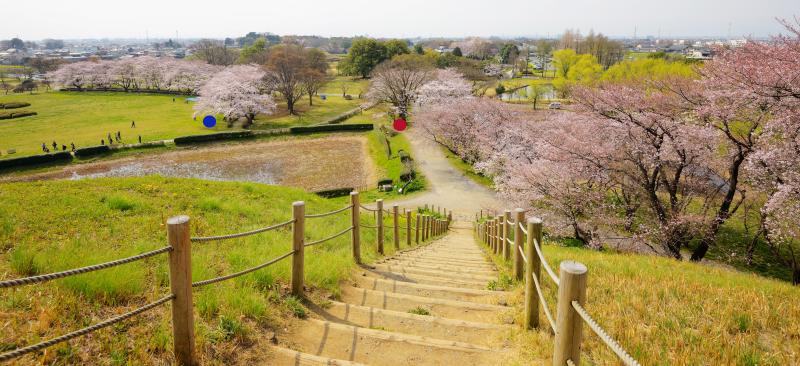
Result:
133,124
140,139
72,145
55,146
110,141
44,147
63,147
102,142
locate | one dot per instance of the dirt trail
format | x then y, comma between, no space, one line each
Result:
428,305
448,187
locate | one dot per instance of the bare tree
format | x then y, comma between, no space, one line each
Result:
214,52
294,71
397,81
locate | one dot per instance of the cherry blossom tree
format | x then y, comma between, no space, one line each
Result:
447,86
236,92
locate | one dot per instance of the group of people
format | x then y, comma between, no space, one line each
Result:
117,137
55,147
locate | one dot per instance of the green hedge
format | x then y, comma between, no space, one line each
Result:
35,160
332,128
20,114
337,192
235,135
85,152
13,105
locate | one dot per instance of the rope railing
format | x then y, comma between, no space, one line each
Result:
509,241
545,307
334,236
76,271
623,355
570,285
239,235
41,345
240,273
311,216
368,226
546,265
368,209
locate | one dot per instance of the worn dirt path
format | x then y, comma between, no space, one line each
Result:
447,186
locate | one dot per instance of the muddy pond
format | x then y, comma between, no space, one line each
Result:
311,164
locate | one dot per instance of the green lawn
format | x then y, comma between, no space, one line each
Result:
354,86
321,111
56,225
467,169
86,118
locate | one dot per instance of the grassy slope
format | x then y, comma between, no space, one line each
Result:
467,169
676,313
50,226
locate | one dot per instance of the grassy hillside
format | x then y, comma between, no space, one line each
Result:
51,226
666,312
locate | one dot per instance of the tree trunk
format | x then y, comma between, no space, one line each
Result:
290,105
310,99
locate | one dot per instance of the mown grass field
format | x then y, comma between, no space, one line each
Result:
56,225
666,312
320,111
86,118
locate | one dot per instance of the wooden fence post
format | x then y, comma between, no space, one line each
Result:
408,228
379,223
416,228
356,222
427,227
519,218
569,325
180,280
396,218
298,245
498,249
506,234
490,240
533,269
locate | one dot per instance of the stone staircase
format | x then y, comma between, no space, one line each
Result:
424,306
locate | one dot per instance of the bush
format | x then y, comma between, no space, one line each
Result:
407,174
235,135
404,156
86,152
332,128
18,114
35,160
13,105
337,192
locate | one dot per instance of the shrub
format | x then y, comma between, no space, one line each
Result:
332,128
336,192
419,310
13,105
404,156
383,181
407,174
35,160
234,135
85,152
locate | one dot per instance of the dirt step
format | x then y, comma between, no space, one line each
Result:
448,259
443,263
442,292
452,309
468,258
425,279
287,357
485,334
444,272
378,347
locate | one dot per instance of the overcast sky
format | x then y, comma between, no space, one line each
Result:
381,18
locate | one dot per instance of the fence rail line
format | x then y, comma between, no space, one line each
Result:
180,270
311,216
334,236
240,273
246,233
570,284
76,271
41,345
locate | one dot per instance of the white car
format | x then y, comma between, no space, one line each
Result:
554,105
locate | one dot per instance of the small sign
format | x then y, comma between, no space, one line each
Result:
399,124
209,121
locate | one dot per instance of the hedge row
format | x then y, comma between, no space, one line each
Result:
19,114
92,151
332,128
235,135
120,90
35,160
13,105
337,192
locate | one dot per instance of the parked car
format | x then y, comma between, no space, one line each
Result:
555,105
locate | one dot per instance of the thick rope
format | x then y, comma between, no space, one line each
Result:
72,272
545,308
367,208
523,228
510,241
329,213
368,226
623,355
328,238
544,263
237,274
36,347
522,253
246,233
